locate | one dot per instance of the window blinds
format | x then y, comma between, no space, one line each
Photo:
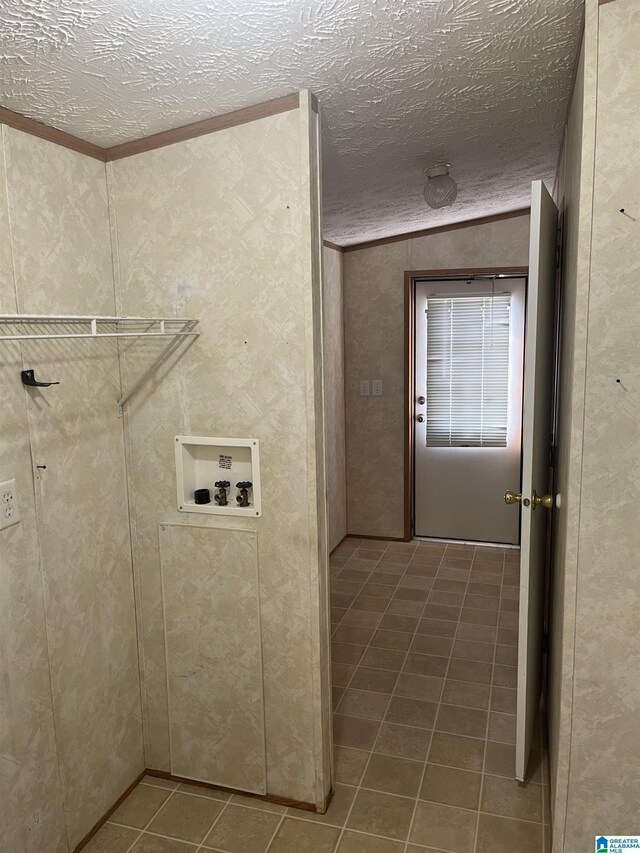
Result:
468,371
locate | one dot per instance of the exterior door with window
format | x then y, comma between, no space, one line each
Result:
469,340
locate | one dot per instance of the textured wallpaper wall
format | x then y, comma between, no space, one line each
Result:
374,349
333,317
225,228
599,690
69,644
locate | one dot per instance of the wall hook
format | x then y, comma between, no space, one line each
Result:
29,378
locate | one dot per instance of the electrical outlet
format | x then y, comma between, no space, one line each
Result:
376,387
9,513
364,387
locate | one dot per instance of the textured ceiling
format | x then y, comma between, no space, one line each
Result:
482,84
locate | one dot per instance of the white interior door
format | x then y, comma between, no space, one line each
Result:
469,343
536,441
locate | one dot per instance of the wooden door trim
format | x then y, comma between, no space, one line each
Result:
410,278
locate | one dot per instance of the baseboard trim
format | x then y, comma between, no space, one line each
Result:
87,838
333,550
161,774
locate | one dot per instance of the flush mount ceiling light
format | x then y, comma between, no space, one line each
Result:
440,190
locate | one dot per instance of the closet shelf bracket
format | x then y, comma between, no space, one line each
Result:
45,327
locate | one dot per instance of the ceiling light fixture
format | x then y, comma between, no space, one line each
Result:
440,190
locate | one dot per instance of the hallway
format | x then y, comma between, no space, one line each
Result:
424,672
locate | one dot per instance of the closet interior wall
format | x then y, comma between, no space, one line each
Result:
224,228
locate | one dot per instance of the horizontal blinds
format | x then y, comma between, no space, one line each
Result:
468,370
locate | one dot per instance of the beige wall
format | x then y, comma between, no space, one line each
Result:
594,691
333,319
69,639
225,228
374,349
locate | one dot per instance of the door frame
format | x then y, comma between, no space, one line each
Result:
410,277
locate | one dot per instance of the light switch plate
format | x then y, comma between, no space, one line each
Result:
9,513
376,387
364,387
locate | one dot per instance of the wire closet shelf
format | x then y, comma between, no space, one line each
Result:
49,327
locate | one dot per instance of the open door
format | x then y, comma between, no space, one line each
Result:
536,442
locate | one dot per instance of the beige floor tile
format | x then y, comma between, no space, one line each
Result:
399,640
456,751
364,703
499,835
509,798
341,673
201,791
504,700
420,581
356,842
477,633
345,653
461,721
507,655
500,759
381,814
368,602
383,659
362,618
257,803
437,628
154,844
478,617
451,787
445,827
439,612
393,775
466,693
186,818
403,741
140,806
505,676
377,680
349,764
394,622
426,665
241,830
411,712
112,839
423,644
300,836
478,672
470,650
353,634
423,687
502,727
354,731
449,599
336,814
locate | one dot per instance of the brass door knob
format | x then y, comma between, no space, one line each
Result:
545,500
512,498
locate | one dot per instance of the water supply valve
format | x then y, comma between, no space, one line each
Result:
243,497
221,495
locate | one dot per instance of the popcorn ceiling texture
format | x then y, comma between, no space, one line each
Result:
482,84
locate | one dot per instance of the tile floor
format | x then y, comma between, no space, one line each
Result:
424,654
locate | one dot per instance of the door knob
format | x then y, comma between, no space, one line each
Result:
420,419
545,500
422,401
512,498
